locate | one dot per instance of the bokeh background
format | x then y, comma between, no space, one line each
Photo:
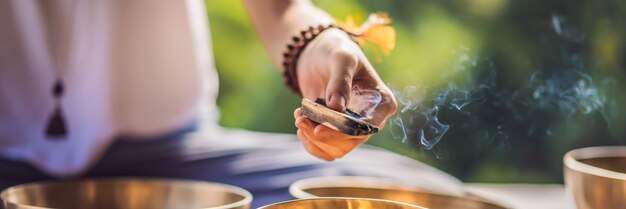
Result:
490,90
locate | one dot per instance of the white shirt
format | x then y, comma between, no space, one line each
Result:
131,67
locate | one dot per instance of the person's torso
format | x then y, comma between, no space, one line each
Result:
132,67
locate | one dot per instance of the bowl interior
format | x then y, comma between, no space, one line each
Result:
340,203
127,194
616,164
385,190
605,162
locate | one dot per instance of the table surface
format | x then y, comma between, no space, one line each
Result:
524,196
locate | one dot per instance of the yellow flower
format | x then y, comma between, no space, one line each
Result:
375,29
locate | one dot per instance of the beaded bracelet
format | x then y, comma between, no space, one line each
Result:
294,49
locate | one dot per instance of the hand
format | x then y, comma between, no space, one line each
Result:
328,68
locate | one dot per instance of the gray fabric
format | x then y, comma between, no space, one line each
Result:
264,164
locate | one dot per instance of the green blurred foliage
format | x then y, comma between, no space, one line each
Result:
515,37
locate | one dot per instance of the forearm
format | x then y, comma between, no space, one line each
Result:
277,21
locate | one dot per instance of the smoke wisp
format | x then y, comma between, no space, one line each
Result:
487,109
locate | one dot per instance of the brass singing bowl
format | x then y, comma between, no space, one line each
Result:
385,189
596,176
340,203
125,193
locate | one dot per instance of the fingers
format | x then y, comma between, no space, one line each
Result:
314,150
367,78
323,142
348,68
342,68
305,134
297,113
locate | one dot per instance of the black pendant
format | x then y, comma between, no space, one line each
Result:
57,127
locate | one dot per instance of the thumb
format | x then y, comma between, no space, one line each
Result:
340,83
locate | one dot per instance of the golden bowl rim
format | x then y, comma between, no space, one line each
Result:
246,201
342,198
572,161
296,189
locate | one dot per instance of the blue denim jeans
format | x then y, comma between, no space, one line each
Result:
265,164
